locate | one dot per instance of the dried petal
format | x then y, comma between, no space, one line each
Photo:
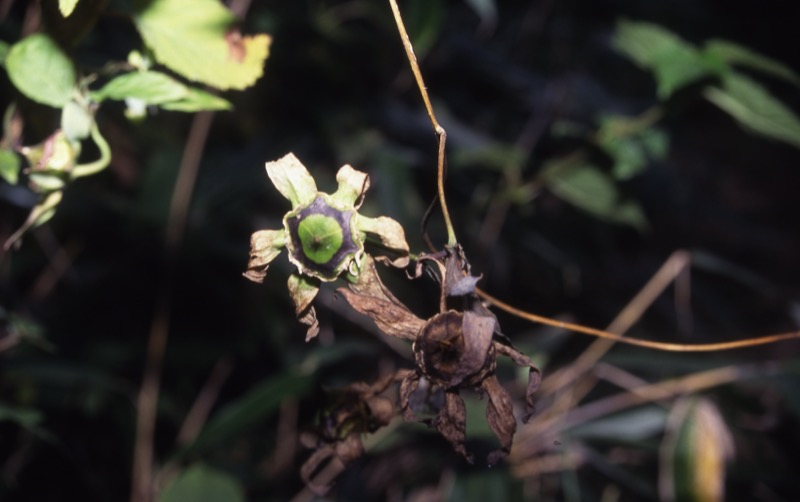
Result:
353,185
370,297
407,387
265,246
459,280
391,235
303,290
500,416
534,375
451,422
292,180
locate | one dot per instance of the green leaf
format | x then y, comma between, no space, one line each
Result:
587,187
674,61
151,87
696,448
27,418
197,100
734,54
67,6
4,48
76,121
9,166
756,109
201,46
41,71
249,411
200,483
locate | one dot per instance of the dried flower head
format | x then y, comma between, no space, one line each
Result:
323,233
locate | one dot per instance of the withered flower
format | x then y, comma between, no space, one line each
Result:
323,233
357,409
454,350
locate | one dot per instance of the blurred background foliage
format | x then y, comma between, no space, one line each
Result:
578,163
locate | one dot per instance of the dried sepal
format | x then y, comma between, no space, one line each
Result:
292,180
265,246
353,185
534,375
451,422
303,290
500,416
370,297
391,236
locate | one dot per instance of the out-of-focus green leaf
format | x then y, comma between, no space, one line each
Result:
4,48
632,154
76,121
632,425
67,6
424,19
587,187
200,483
41,71
9,166
734,54
756,109
250,410
196,100
485,9
695,450
151,87
201,46
28,418
674,61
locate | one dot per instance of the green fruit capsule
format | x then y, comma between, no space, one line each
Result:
322,238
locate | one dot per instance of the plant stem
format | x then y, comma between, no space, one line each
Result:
440,132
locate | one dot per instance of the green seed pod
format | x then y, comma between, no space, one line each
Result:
323,238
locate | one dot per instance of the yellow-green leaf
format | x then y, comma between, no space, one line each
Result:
738,55
41,71
200,483
195,38
9,166
151,87
67,6
196,100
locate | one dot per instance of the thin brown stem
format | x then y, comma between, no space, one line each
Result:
440,132
142,486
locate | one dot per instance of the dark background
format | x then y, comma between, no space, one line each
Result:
337,90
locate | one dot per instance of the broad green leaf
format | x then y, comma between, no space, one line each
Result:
151,87
200,483
197,100
9,166
201,46
76,121
249,411
756,109
587,187
67,6
674,61
41,71
735,54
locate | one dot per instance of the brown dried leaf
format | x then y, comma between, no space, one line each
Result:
370,297
500,416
